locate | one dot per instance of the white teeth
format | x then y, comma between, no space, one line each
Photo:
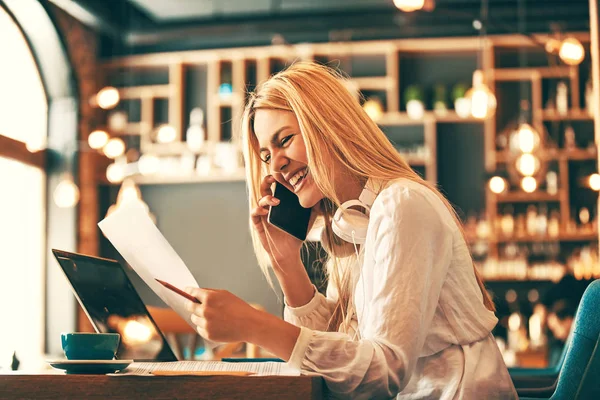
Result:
297,176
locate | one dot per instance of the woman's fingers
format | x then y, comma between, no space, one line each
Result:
265,186
268,201
263,208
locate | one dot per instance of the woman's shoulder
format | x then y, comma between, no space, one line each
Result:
404,191
402,195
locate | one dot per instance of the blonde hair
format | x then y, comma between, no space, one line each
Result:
334,127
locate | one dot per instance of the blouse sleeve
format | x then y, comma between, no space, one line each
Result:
412,247
316,313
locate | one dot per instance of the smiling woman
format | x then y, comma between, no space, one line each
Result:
405,312
22,203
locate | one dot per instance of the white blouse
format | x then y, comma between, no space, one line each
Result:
423,330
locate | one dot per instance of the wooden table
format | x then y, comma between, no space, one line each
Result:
60,386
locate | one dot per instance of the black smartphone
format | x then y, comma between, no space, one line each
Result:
289,215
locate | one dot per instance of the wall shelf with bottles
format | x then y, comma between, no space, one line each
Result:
217,81
562,237
571,115
556,154
392,72
558,106
522,197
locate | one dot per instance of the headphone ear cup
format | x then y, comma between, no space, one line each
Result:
350,225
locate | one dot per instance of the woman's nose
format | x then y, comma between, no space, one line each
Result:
279,163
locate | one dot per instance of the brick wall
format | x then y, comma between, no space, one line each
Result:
81,43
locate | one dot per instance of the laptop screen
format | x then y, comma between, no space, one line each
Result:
114,306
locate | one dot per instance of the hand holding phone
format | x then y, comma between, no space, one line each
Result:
289,215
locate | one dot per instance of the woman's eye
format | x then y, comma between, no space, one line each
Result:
266,158
286,140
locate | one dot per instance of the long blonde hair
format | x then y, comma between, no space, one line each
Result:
337,132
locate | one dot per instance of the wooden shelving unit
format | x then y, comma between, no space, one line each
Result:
539,82
562,237
556,155
381,67
522,197
245,67
572,115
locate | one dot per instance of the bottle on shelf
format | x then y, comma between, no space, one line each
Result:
552,182
483,227
589,96
584,219
569,138
517,337
562,98
537,333
507,223
584,264
532,220
195,134
542,220
554,224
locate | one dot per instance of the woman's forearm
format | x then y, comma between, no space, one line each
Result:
294,281
273,334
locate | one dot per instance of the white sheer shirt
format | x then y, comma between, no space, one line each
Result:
423,331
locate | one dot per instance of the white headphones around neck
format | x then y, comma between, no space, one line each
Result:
350,224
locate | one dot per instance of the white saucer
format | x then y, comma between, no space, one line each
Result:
89,361
90,366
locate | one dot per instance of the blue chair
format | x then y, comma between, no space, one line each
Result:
590,385
578,374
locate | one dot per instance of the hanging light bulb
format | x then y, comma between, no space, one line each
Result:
97,139
525,139
107,97
528,164
115,172
483,101
373,108
529,184
66,194
414,5
571,51
166,134
594,182
497,184
409,5
114,148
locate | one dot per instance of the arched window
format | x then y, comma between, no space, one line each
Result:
23,130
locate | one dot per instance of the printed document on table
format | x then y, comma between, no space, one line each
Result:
134,235
259,368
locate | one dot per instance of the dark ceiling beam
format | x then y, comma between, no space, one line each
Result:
502,20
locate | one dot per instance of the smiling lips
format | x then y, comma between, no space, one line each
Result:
297,178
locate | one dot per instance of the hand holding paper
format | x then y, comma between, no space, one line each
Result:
141,244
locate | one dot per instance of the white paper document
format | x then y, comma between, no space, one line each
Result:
138,240
259,368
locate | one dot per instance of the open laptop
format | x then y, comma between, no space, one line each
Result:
112,304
